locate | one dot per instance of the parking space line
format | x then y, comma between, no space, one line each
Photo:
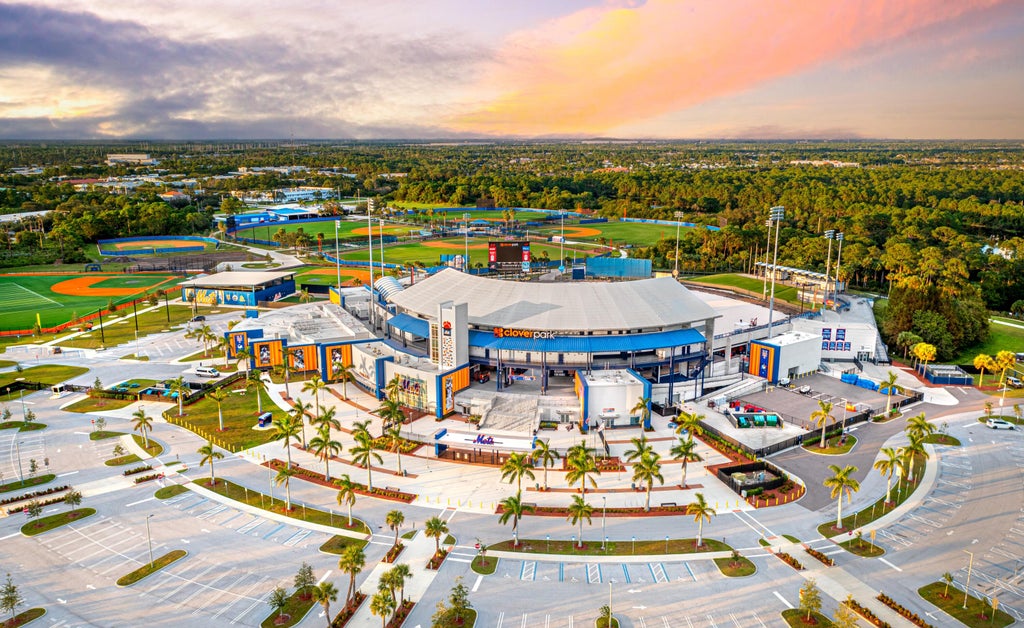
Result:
625,572
273,531
692,575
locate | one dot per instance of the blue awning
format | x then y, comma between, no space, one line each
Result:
410,324
588,344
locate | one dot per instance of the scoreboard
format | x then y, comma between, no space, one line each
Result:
508,256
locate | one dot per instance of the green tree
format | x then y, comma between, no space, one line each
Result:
641,448
299,411
436,528
642,409
364,455
887,466
579,510
278,600
543,453
352,562
382,604
402,573
685,450
691,423
286,429
459,599
912,450
394,520
701,512
647,470
10,598
343,373
346,494
314,387
919,426
515,467
390,413
845,616
323,594
841,483
209,454
513,508
218,395
822,417
395,440
323,447
179,388
254,381
582,466
948,579
305,580
73,499
284,476
890,385
810,598
142,423
981,362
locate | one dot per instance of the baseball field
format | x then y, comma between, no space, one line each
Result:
58,298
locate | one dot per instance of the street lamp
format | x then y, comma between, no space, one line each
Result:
21,475
337,258
465,261
666,544
845,403
21,395
634,545
604,518
968,585
678,216
776,215
149,537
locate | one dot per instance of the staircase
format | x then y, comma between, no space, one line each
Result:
513,413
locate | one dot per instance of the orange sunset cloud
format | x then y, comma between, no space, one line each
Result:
602,68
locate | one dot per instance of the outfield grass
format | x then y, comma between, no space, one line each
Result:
618,233
26,296
240,412
430,255
1000,338
751,285
123,330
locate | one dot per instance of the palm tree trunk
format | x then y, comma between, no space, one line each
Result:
888,488
839,512
545,476
822,445
700,532
682,482
581,533
288,451
350,514
288,495
369,476
327,466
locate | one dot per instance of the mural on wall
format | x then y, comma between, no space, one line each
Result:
412,391
337,356
268,353
302,358
451,384
364,368
238,340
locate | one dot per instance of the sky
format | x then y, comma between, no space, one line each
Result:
461,69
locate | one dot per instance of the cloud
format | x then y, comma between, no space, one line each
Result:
599,69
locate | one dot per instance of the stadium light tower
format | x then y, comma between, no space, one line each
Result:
678,216
776,214
839,258
830,235
465,260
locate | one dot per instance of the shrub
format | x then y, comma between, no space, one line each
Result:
147,478
139,469
906,613
867,614
789,560
48,491
825,560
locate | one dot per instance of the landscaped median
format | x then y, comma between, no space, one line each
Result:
319,478
151,568
46,524
24,617
978,612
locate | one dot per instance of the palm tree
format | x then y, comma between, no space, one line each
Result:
701,512
323,447
299,410
281,370
284,476
582,464
640,449
390,413
343,373
254,380
513,508
435,528
179,388
912,450
218,395
841,483
516,466
822,416
361,429
643,409
352,562
685,450
395,437
889,383
209,454
382,604
364,455
547,456
286,430
323,594
646,470
394,520
328,418
887,466
224,344
919,426
346,494
142,423
579,510
314,386
401,572
690,422
981,362
244,355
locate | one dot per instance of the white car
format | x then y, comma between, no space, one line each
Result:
999,424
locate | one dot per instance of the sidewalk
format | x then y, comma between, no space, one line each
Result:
837,584
417,552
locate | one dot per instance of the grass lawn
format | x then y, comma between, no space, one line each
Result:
862,547
942,439
338,544
790,538
620,548
978,612
45,524
104,435
123,330
1000,338
484,565
170,491
24,617
17,484
1008,418
293,612
151,568
120,461
240,412
22,426
900,492
737,567
618,233
92,404
6,363
601,622
257,499
745,283
48,374
832,446
797,619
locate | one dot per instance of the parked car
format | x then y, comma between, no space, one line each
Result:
198,319
999,424
1014,382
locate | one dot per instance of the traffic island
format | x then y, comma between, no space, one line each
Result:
797,618
978,613
483,565
151,568
24,618
736,566
612,548
336,545
46,524
293,612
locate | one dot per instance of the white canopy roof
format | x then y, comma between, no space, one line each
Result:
236,278
561,306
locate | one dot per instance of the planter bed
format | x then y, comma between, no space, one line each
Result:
823,559
34,494
435,561
393,553
318,478
347,611
789,560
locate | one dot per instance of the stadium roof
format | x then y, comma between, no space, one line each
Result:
235,279
571,307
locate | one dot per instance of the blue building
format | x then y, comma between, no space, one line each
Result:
238,288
